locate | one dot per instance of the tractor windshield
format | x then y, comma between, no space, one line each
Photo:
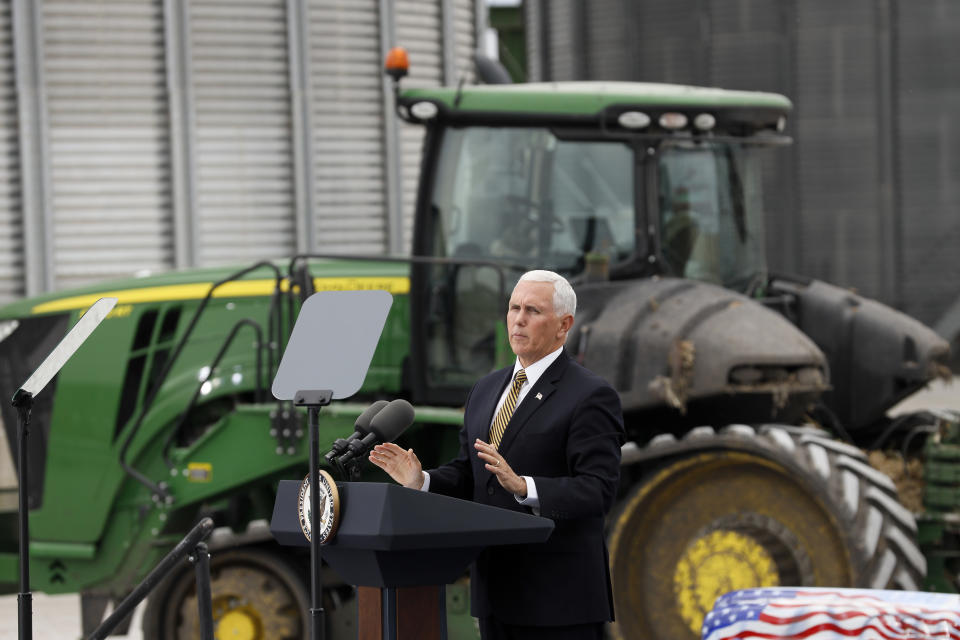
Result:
711,213
524,196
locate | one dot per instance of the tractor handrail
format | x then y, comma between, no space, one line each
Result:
258,390
159,489
191,546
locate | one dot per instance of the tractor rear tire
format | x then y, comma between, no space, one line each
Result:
746,508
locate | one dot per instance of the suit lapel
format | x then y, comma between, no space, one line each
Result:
544,388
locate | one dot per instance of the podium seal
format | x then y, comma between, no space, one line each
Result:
329,507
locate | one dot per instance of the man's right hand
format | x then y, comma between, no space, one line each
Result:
402,466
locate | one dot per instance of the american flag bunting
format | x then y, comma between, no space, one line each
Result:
832,614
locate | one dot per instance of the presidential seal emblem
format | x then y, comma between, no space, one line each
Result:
329,516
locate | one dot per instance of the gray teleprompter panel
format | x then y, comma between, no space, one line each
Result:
332,343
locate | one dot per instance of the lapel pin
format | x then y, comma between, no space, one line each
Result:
539,396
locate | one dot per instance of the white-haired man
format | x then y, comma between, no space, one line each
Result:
543,435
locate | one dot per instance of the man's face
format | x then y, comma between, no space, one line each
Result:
533,327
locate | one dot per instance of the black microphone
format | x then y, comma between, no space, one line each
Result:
386,426
361,426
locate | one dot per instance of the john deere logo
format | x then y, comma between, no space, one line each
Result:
329,507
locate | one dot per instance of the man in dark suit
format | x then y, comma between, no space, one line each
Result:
542,436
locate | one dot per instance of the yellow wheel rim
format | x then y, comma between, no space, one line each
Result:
236,625
249,603
715,564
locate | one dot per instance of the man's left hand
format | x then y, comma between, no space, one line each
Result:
497,465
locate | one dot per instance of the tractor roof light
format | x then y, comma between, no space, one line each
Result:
423,110
633,120
673,120
705,121
397,63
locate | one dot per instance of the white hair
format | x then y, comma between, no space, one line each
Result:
564,298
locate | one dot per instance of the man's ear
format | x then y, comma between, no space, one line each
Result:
566,322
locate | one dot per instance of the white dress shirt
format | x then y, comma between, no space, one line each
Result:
534,371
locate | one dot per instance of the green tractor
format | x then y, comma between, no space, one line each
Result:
761,451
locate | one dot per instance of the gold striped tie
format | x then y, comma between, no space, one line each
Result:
506,411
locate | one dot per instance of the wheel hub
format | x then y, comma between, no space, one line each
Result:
717,563
248,604
237,625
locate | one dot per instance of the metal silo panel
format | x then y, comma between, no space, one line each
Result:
347,112
535,31
562,59
610,49
11,233
465,38
419,28
106,108
837,127
239,67
669,38
748,48
929,101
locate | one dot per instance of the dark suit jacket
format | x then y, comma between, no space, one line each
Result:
569,442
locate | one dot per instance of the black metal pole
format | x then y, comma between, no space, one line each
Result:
23,401
316,587
196,535
204,598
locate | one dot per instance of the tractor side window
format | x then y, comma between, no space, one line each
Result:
593,203
711,213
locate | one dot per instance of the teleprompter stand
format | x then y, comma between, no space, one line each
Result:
327,357
313,401
400,546
23,401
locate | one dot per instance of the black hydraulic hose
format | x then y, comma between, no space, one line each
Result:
274,327
258,392
835,423
893,426
923,428
160,489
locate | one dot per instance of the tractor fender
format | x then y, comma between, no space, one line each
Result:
673,342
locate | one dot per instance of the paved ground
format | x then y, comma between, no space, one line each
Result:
54,618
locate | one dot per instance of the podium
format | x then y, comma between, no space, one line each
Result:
400,546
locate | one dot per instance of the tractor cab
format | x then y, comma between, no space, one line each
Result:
597,181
